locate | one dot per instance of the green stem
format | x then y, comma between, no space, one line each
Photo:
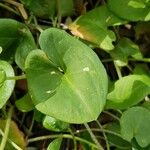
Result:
147,60
74,140
106,140
112,115
7,127
118,71
93,136
9,9
100,130
61,136
11,142
17,77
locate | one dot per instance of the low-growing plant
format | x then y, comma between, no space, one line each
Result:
74,74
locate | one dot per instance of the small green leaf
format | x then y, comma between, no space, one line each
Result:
133,10
123,50
53,124
5,85
25,103
55,144
135,124
97,32
74,88
128,91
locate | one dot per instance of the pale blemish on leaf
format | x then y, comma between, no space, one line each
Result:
48,92
86,69
53,72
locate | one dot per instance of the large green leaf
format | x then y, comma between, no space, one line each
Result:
123,50
133,10
93,27
135,124
128,91
75,90
15,37
6,86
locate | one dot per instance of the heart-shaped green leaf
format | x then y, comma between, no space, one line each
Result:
128,91
15,39
133,10
75,90
6,86
93,27
135,124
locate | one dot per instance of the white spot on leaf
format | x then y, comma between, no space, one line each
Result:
53,72
86,69
48,92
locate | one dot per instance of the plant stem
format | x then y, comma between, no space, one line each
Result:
112,115
100,130
20,8
17,77
118,71
62,136
106,140
93,136
11,142
7,127
74,140
9,9
147,60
